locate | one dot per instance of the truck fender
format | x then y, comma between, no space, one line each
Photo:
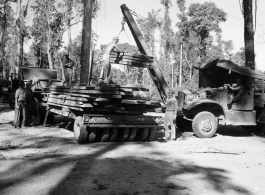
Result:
201,105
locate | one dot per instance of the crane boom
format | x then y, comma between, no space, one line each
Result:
154,71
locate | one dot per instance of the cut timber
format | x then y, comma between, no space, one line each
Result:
129,64
121,60
132,55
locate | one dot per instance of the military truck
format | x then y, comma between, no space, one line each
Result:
5,88
213,103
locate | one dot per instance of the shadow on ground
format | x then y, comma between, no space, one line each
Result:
63,167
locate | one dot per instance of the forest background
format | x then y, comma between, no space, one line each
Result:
197,31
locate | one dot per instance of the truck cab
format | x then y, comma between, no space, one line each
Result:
215,104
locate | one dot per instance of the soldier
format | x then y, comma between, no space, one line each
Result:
170,116
29,102
20,106
106,67
69,66
237,90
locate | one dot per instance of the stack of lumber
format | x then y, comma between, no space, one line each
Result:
129,59
104,99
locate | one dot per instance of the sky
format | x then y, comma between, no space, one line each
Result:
108,23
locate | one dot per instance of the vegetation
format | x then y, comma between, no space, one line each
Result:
198,34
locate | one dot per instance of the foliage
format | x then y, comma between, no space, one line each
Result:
239,57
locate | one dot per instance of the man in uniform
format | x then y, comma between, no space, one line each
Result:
106,67
20,106
69,66
170,116
237,90
29,102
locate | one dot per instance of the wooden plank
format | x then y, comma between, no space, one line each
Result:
132,55
100,88
125,55
68,107
122,60
68,98
83,91
130,64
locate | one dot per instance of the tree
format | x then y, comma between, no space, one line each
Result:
239,57
203,19
86,41
21,31
6,21
196,28
249,34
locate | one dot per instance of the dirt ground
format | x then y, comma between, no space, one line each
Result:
47,160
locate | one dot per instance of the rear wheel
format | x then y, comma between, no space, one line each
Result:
204,125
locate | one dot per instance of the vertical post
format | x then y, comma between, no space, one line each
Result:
180,67
86,40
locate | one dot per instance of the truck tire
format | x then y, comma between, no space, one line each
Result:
254,128
204,124
80,130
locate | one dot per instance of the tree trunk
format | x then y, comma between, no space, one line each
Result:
19,55
49,34
69,36
86,40
249,34
2,41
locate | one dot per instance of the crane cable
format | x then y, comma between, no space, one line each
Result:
123,29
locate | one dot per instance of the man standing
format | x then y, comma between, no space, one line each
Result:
29,102
170,116
69,66
106,67
20,106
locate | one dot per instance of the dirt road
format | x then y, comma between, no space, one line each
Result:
47,160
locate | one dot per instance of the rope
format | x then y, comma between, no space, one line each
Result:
137,15
127,36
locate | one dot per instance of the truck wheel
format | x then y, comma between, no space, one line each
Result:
92,133
142,134
204,125
80,130
113,134
123,134
254,129
151,134
132,134
105,134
